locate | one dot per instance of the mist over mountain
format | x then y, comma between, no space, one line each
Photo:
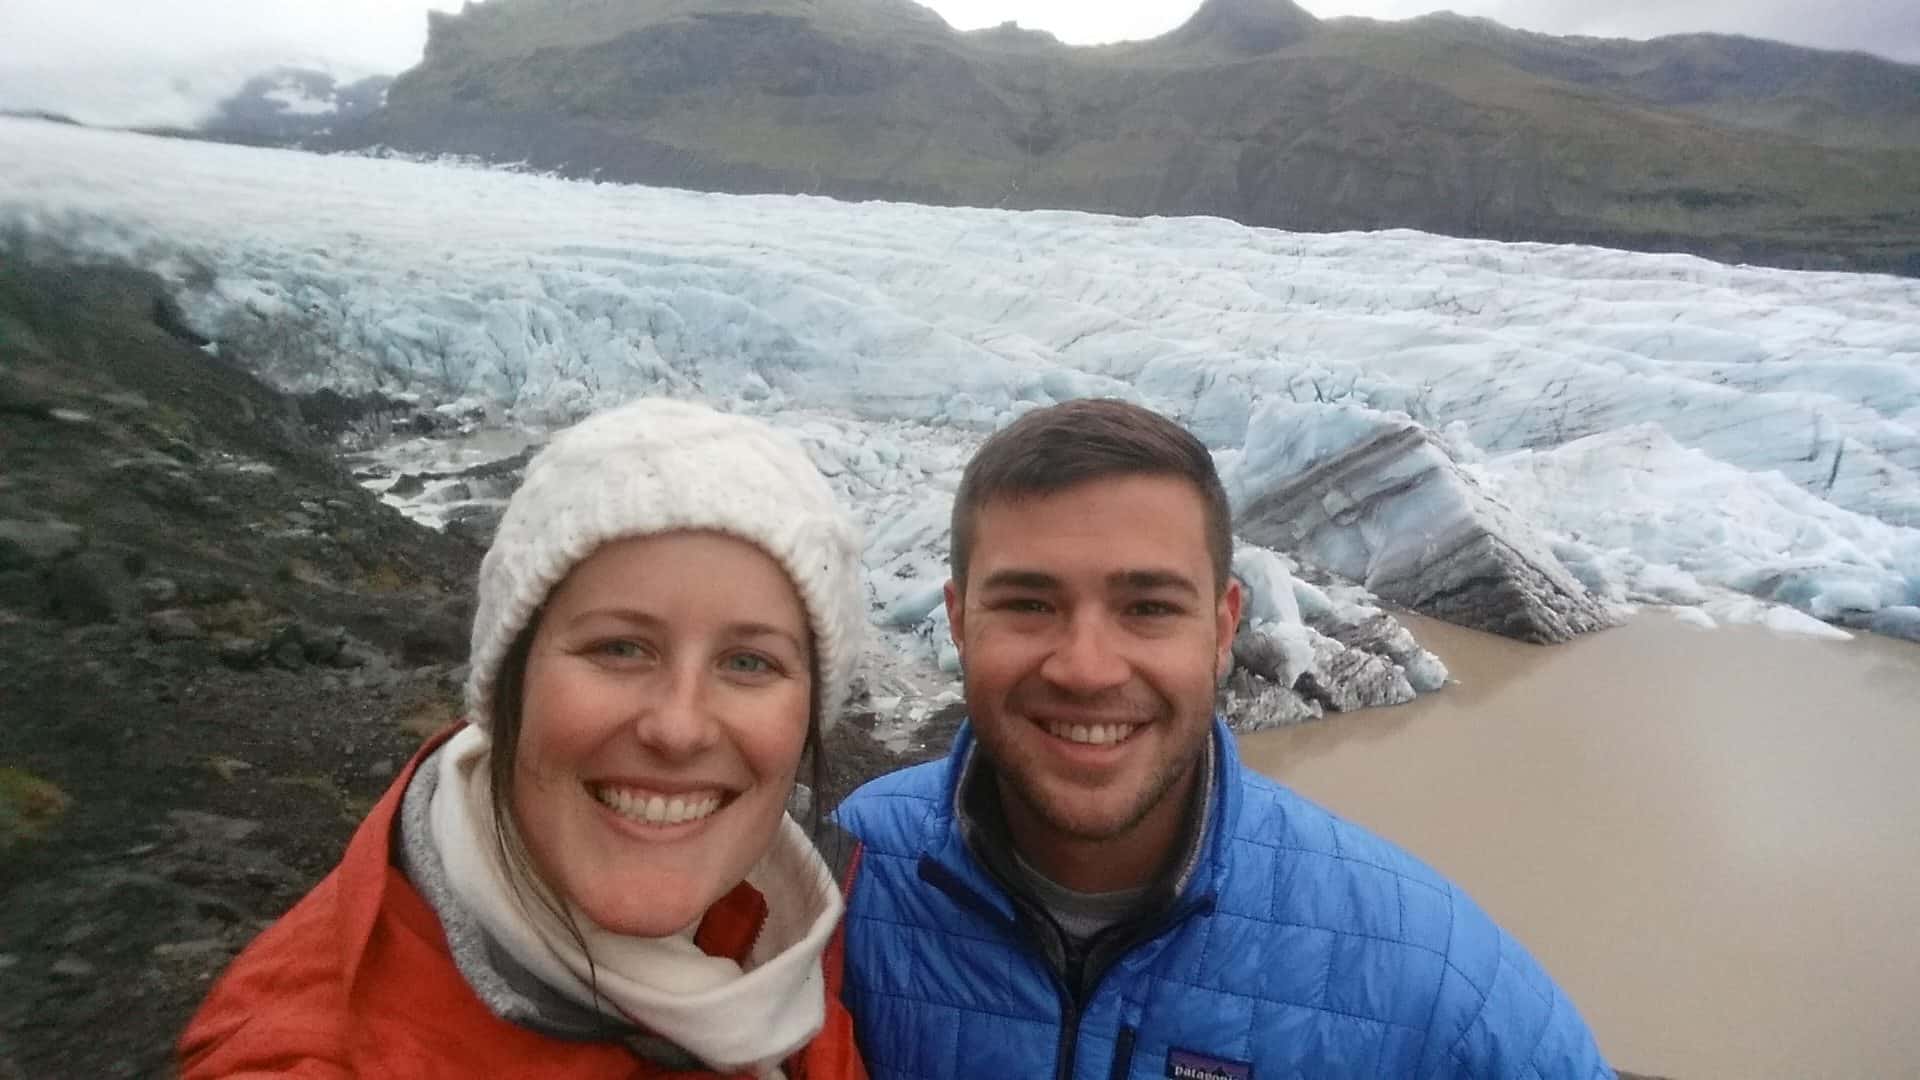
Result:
292,103
1253,110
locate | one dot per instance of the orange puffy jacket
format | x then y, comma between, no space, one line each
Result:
357,980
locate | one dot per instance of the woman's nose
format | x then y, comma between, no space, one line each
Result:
677,720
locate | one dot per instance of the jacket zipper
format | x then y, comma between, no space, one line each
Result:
1089,986
1069,1033
1122,1055
1035,923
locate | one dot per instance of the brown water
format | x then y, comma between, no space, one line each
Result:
1711,838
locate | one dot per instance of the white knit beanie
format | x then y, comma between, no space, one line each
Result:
655,466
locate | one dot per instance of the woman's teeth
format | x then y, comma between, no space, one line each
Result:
1094,734
657,809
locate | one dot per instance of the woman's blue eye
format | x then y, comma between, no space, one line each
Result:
749,663
621,649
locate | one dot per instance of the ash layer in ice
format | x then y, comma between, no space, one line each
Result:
1378,499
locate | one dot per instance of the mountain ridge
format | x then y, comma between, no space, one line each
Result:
1252,110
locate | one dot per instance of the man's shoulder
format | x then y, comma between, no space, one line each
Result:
882,806
1308,866
1277,816
1386,919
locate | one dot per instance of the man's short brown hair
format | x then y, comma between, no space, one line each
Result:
1062,446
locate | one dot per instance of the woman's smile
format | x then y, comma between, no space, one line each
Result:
655,808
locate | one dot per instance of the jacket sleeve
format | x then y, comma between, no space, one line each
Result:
1499,1016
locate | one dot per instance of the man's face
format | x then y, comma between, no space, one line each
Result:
1092,640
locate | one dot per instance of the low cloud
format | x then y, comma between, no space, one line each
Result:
1889,28
377,35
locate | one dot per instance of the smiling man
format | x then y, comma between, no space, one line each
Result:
1090,885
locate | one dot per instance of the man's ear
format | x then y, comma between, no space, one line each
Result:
956,614
1227,616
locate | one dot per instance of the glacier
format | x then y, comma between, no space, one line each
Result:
1742,442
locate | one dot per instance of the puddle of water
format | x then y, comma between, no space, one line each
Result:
1711,838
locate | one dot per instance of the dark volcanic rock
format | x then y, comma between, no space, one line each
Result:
243,654
1382,636
168,316
23,590
408,486
1256,704
1453,552
89,588
194,801
174,625
156,593
1263,656
364,419
29,544
475,524
323,646
1345,679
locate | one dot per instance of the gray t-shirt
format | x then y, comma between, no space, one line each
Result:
1080,914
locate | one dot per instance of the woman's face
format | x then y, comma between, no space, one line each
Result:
664,713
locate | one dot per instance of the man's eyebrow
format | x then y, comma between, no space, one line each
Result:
1020,579
1153,580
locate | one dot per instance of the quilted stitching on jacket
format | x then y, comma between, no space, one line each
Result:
1325,951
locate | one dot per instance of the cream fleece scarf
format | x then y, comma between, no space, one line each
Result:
732,1018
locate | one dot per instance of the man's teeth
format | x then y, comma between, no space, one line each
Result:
657,809
1095,734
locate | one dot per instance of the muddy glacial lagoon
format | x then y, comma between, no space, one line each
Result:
1711,838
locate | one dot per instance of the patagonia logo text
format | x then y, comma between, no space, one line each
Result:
1187,1065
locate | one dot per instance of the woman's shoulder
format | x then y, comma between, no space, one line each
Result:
279,1003
285,997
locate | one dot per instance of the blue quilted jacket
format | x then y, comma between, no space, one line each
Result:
1293,944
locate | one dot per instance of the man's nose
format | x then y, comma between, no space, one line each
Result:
1085,660
677,721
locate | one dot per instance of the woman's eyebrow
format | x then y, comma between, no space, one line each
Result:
636,617
754,629
621,614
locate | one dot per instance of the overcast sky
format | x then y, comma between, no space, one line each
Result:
387,35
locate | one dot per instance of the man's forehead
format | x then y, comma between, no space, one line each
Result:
1107,518
1114,488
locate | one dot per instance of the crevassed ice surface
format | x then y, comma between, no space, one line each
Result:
893,335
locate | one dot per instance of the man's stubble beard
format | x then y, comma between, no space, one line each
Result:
1015,777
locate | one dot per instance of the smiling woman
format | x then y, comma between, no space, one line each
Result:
596,876
661,727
